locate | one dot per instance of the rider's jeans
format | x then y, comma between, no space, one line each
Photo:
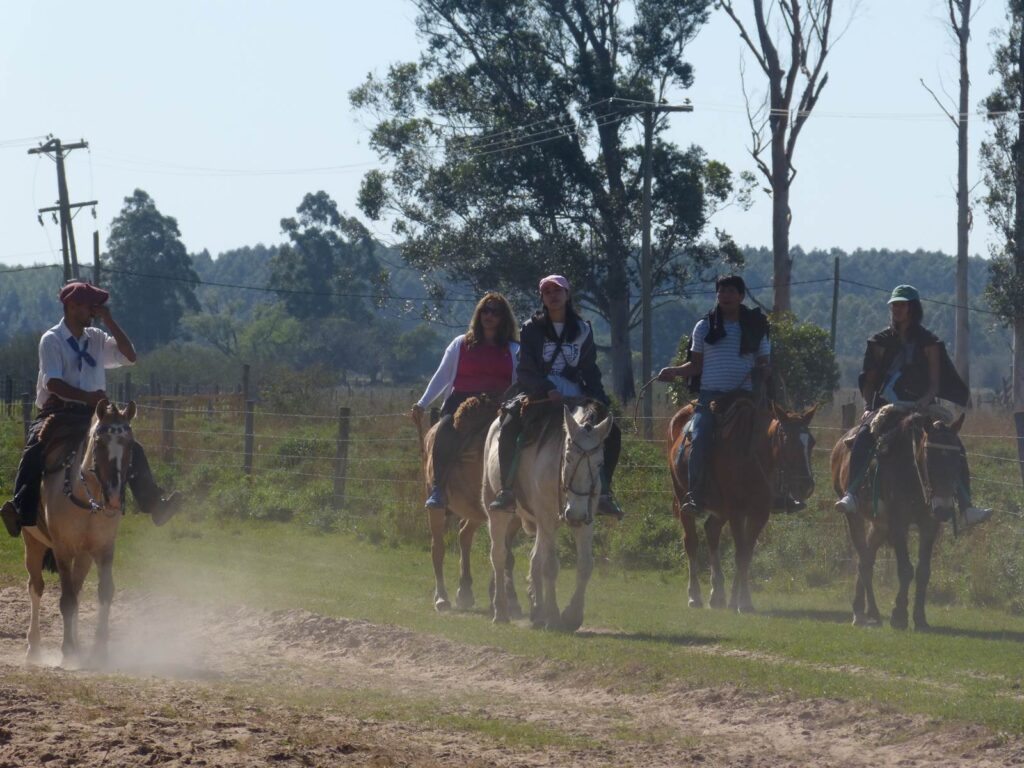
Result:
703,431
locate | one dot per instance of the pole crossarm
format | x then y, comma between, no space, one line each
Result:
54,145
70,205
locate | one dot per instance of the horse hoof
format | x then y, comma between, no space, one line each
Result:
500,619
441,605
922,626
696,602
464,599
34,656
748,608
514,611
571,622
898,622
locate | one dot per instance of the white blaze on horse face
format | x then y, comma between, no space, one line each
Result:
581,468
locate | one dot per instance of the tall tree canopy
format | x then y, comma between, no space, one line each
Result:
511,152
152,281
327,267
1002,156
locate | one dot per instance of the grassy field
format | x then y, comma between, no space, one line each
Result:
274,541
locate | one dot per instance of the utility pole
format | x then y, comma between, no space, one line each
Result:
57,151
649,113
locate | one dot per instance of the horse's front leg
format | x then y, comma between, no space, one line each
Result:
536,589
464,598
876,538
436,520
738,528
68,608
905,574
925,547
547,548
105,569
713,531
572,616
753,525
690,543
497,523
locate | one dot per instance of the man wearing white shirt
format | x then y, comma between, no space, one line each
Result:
73,358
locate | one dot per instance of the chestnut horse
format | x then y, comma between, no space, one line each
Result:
462,492
82,504
750,446
914,483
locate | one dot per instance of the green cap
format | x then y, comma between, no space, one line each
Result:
904,293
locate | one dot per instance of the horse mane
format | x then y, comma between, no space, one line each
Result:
475,414
891,423
62,436
737,413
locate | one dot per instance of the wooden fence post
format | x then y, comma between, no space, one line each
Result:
249,435
245,381
128,388
341,455
9,395
26,410
1018,421
167,436
849,411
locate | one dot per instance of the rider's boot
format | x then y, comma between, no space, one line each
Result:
10,517
436,499
509,447
606,503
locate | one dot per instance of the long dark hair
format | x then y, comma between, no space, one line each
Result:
507,331
573,319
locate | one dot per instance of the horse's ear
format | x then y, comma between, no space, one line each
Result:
956,425
129,412
571,427
605,427
807,415
102,407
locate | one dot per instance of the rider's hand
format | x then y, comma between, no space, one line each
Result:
102,313
416,412
555,396
667,374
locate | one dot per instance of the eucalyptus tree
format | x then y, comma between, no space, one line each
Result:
510,150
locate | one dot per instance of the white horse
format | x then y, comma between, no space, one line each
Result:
558,479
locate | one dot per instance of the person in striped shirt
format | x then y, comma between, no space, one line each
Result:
728,349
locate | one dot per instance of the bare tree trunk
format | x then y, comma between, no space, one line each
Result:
783,262
1018,241
621,352
962,340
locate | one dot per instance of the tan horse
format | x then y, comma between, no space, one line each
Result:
750,446
82,503
462,491
918,463
559,479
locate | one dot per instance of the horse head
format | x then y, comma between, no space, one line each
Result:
792,450
582,461
108,455
938,457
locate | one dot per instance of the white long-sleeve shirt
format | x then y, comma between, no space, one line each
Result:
443,380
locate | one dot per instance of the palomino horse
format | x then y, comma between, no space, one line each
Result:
82,504
750,444
559,478
917,466
462,491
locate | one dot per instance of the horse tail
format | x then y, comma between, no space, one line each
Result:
49,561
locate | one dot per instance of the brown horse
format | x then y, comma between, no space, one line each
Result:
917,465
750,446
462,491
82,503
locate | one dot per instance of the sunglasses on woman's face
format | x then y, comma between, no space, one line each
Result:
490,309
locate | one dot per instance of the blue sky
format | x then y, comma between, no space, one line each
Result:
228,112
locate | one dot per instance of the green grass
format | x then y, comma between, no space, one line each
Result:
642,636
370,561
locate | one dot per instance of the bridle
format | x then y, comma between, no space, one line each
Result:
92,505
568,484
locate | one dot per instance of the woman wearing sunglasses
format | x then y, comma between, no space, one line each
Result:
480,361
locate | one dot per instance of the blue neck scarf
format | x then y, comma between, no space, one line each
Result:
83,353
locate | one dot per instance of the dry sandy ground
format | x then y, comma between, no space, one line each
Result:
239,686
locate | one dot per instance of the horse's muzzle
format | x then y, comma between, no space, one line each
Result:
942,508
577,517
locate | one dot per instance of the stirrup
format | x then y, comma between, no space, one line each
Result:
691,506
505,501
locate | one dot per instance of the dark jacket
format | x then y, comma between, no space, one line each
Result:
754,326
532,371
882,349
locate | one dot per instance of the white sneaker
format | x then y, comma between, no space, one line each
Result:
975,515
847,504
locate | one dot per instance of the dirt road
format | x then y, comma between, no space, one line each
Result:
188,685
